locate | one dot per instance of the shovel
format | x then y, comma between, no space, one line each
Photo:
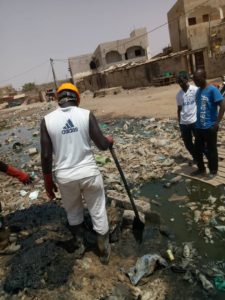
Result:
138,225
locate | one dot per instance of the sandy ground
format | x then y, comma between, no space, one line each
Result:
158,102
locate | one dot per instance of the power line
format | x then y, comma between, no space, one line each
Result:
49,70
132,39
152,30
61,59
25,72
160,26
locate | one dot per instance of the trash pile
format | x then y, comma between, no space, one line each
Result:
148,149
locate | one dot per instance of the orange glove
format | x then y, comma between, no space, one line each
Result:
50,186
110,140
22,176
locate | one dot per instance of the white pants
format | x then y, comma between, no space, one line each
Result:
90,190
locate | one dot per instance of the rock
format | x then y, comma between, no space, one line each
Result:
176,179
124,202
168,162
36,133
11,249
128,217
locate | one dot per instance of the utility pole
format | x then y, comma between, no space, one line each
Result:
70,70
53,73
210,39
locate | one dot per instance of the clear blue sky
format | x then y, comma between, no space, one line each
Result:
32,31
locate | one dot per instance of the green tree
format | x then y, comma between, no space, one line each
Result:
30,86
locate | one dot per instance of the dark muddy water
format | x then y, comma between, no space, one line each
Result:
179,219
23,136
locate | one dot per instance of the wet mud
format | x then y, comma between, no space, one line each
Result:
41,261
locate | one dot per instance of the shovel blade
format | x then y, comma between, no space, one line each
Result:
138,228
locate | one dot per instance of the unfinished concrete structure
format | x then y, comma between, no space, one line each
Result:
198,26
134,48
80,65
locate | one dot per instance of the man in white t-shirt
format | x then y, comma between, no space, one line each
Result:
186,111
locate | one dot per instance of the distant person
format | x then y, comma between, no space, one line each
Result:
208,99
66,133
186,112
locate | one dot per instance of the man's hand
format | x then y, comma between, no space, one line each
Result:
20,175
110,140
50,186
27,180
215,127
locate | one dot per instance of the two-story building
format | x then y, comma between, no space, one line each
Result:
199,26
134,48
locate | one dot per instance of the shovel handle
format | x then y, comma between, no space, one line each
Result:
125,183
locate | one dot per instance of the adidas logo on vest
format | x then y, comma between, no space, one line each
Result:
69,127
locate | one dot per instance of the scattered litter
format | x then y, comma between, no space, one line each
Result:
207,285
23,193
33,195
145,266
32,151
170,254
102,159
176,197
220,228
219,282
197,216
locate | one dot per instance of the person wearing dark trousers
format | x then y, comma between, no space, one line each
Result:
186,112
209,137
208,99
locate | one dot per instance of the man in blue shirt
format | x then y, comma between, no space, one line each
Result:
208,99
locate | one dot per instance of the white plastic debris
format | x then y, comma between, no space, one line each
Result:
23,193
34,195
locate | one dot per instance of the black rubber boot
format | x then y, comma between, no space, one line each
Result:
104,248
78,236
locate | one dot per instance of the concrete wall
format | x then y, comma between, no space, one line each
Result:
215,66
216,59
185,36
136,76
80,64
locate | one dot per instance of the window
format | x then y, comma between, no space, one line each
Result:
191,21
137,52
205,18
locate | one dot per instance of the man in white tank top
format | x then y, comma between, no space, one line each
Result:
66,135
